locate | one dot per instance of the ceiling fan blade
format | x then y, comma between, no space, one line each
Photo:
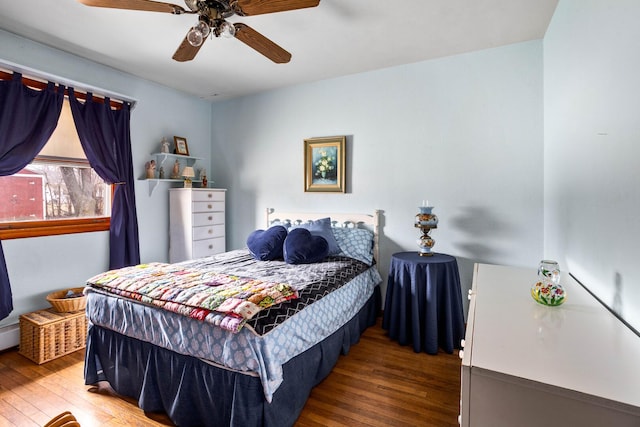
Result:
257,41
146,5
259,7
186,51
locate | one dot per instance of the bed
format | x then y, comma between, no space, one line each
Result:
231,365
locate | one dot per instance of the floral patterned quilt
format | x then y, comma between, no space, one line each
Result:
231,290
222,299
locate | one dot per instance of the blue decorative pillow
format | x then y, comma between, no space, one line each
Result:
355,243
322,227
266,245
301,247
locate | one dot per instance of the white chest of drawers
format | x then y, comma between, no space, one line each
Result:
528,365
196,223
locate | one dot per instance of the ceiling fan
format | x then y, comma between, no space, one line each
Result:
212,16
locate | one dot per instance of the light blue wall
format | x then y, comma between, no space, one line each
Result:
38,266
592,156
464,132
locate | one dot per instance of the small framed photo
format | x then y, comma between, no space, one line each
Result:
324,164
181,145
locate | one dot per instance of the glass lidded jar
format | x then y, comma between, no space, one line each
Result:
548,270
548,290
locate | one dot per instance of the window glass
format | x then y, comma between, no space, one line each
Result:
47,190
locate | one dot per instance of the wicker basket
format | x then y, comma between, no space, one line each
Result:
66,305
47,334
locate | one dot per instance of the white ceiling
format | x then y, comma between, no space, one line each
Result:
338,37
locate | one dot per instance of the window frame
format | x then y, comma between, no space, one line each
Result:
24,229
53,227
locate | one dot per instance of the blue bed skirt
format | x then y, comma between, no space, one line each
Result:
194,393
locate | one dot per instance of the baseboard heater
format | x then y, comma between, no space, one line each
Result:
9,336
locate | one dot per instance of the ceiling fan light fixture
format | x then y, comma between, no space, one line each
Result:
226,29
194,37
204,28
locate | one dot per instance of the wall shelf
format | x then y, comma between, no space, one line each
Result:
166,160
153,182
162,157
167,180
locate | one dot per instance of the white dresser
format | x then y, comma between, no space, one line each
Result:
525,364
196,223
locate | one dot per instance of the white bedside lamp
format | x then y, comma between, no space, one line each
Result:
188,173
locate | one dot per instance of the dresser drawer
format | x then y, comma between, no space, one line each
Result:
203,248
205,196
207,232
207,206
211,218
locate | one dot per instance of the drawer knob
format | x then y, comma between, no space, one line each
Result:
210,217
209,195
209,206
462,343
461,354
210,231
210,246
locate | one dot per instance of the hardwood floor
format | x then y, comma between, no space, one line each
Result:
379,383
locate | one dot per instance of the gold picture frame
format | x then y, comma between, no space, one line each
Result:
181,145
324,164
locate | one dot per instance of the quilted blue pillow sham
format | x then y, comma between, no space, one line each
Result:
266,245
301,247
355,243
322,227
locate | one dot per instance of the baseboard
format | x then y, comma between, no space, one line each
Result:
9,336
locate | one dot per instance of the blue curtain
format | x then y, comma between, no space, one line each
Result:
105,137
28,117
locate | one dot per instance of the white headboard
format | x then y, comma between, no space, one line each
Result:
355,220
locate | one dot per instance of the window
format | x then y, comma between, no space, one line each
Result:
58,193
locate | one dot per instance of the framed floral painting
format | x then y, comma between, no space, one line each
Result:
324,164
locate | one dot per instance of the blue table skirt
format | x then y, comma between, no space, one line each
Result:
423,304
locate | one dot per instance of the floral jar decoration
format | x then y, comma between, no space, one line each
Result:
548,290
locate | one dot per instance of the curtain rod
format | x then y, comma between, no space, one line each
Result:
37,84
37,79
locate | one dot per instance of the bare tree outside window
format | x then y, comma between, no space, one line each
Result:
48,191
